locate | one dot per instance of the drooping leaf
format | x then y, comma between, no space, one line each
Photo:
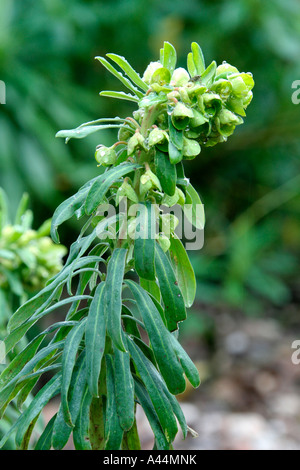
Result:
184,271
124,389
113,296
146,404
145,242
113,430
45,439
49,390
187,364
70,351
81,429
95,338
61,430
166,172
161,404
151,287
103,182
170,290
159,338
193,208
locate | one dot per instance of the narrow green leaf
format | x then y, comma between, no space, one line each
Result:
166,172
170,291
145,242
146,404
151,287
120,95
81,430
209,74
124,389
161,404
173,401
191,65
193,208
113,430
103,182
44,442
176,135
23,205
10,386
95,338
49,390
184,271
175,155
113,296
17,364
198,58
82,132
130,72
67,209
159,338
61,430
187,364
120,77
129,323
169,57
4,219
70,351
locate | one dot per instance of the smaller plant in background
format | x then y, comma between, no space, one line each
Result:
28,259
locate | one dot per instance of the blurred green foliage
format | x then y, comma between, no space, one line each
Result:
249,185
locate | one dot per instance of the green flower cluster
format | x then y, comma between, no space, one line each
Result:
28,258
199,106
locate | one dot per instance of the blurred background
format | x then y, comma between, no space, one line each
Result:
246,314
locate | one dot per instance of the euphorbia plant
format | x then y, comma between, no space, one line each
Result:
118,346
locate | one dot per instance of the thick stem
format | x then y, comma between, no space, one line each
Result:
96,429
131,440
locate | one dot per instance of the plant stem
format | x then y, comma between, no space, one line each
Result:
96,430
131,440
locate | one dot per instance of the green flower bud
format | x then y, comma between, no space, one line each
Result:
181,196
181,116
157,136
212,103
191,148
226,68
149,181
170,201
169,223
195,89
198,119
131,228
182,111
124,133
161,76
184,96
135,142
222,87
226,122
126,190
236,105
180,77
152,67
105,156
164,242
